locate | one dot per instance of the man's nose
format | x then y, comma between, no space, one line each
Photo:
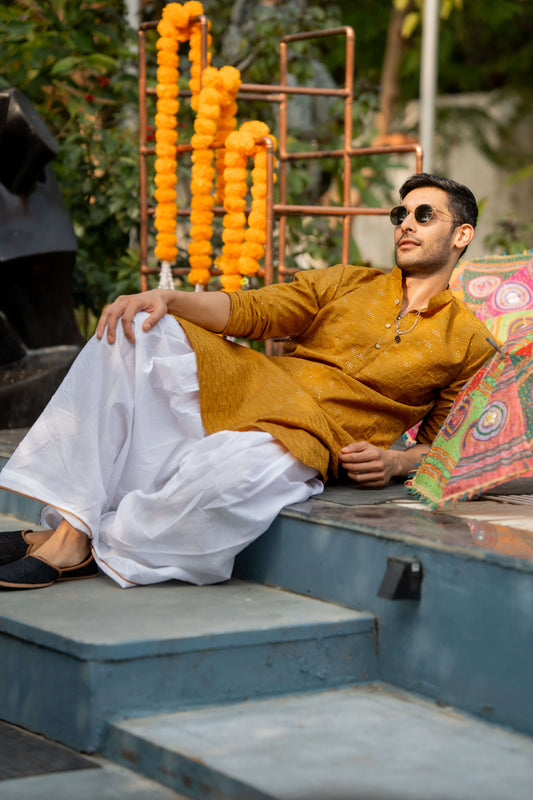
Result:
409,223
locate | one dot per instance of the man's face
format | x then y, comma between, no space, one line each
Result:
426,248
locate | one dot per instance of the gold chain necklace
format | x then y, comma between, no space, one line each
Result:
400,333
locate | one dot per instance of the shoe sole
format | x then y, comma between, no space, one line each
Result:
10,585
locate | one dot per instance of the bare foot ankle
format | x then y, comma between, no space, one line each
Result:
66,547
37,538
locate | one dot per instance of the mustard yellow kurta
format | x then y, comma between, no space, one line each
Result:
343,377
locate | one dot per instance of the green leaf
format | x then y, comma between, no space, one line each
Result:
66,65
101,60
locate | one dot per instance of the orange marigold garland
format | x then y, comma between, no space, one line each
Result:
230,82
195,56
165,148
214,99
242,249
203,172
175,26
217,87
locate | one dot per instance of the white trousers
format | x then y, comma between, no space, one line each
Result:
121,453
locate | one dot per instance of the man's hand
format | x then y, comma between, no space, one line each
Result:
124,308
369,465
210,310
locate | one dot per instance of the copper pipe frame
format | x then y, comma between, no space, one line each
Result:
281,210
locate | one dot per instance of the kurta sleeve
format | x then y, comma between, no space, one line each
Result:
283,309
432,423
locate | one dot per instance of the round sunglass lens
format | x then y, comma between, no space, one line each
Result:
397,215
423,213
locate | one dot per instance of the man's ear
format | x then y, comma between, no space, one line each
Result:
463,235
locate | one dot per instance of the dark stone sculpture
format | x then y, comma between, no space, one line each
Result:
39,337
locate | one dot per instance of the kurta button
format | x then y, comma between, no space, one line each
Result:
397,302
387,325
378,345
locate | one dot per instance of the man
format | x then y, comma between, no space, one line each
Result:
168,448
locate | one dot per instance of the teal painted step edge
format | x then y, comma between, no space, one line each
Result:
98,691
179,772
17,505
467,643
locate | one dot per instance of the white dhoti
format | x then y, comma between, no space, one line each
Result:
120,452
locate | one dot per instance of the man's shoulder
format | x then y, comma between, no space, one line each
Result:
347,274
467,321
467,315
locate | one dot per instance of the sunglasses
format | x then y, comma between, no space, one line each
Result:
422,214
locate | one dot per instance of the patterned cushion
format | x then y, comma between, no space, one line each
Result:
498,289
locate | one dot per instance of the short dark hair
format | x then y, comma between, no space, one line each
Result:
462,202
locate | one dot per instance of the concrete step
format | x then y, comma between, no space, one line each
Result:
366,742
108,782
80,654
468,640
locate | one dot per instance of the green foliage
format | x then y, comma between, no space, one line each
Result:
75,61
510,236
256,51
481,46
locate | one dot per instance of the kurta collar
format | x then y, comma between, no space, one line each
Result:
437,301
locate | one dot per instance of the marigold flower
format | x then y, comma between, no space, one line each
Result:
234,204
200,232
165,135
232,250
199,248
167,239
167,75
165,195
235,175
252,249
202,203
165,165
231,282
248,266
256,218
199,186
204,126
167,225
165,211
200,141
167,105
165,252
167,90
201,217
164,150
257,233
167,42
165,181
199,276
235,220
166,60
232,236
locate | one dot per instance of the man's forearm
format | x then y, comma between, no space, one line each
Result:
211,310
407,460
